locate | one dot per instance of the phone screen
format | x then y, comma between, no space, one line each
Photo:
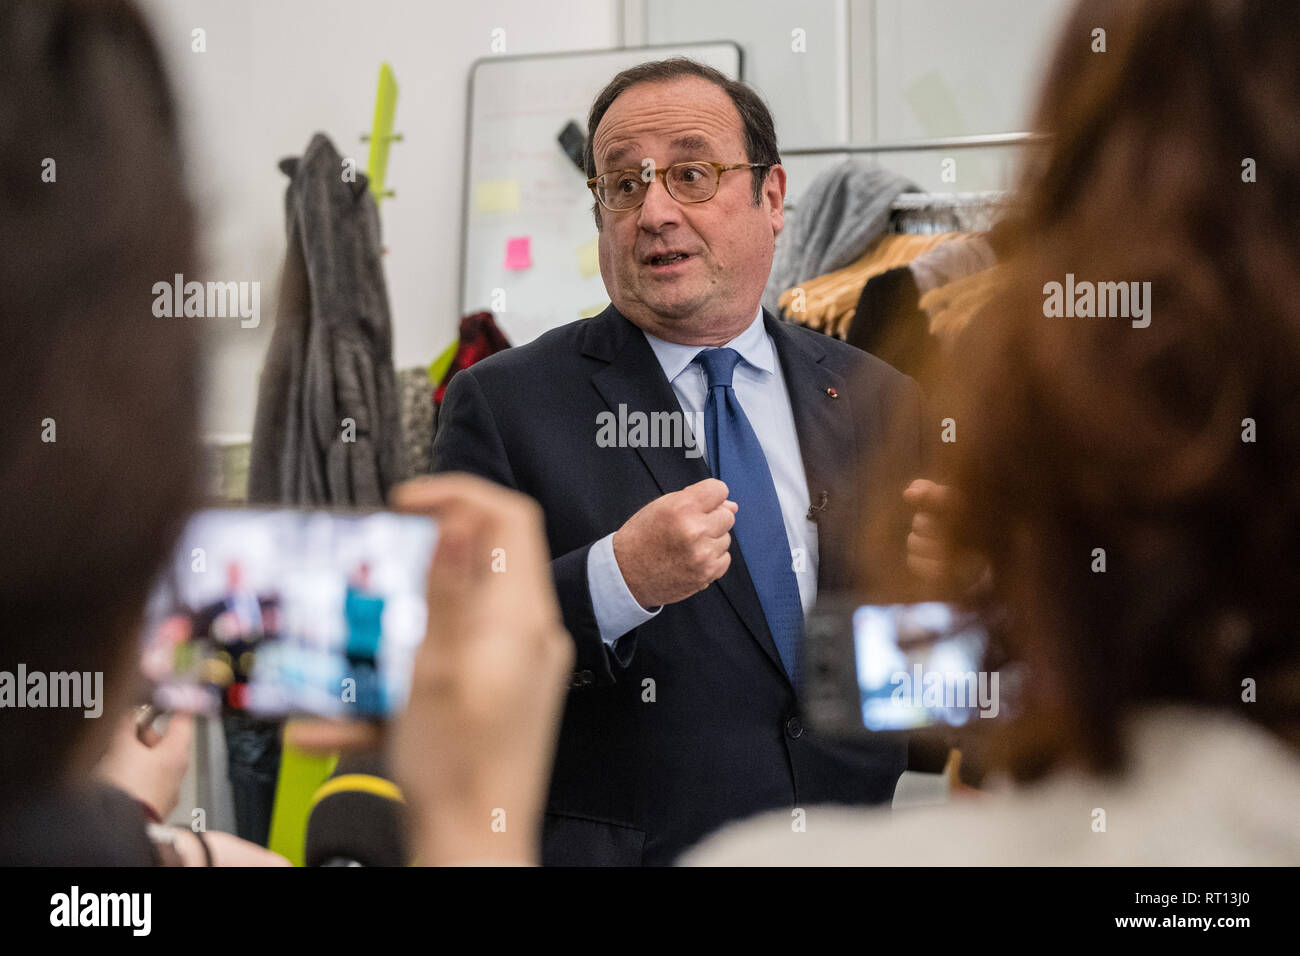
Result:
919,665
279,611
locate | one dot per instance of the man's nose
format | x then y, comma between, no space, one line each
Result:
658,209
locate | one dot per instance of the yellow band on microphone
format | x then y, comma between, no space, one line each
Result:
358,783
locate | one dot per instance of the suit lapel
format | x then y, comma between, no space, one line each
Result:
634,379
827,444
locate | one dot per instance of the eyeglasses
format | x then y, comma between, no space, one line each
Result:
622,189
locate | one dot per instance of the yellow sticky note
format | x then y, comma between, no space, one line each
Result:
594,310
589,258
500,195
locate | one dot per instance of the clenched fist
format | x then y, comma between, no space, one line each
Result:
929,554
676,545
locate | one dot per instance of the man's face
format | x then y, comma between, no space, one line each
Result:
711,295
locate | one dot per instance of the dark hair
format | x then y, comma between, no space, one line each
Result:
88,517
755,118
1084,433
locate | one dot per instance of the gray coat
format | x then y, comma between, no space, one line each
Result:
326,430
842,212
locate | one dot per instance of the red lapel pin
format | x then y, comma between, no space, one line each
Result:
832,393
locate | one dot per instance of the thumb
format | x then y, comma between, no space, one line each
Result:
926,495
707,494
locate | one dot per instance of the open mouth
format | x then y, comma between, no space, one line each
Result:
668,259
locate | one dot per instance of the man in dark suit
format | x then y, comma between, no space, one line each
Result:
699,466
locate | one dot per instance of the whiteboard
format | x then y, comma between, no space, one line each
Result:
528,237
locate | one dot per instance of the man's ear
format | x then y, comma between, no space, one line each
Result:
774,197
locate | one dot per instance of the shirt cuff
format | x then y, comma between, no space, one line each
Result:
616,610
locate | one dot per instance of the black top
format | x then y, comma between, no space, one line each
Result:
889,323
97,826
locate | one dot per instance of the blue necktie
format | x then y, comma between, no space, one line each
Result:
738,460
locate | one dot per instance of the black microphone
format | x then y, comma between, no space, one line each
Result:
357,818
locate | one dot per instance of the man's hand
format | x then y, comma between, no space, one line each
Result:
929,553
677,544
473,749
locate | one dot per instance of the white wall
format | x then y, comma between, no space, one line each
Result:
276,71
952,68
882,71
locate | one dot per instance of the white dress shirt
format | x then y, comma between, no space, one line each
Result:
760,389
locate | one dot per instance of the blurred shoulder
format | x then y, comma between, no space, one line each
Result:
1184,780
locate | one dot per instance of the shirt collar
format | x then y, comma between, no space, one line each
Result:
753,345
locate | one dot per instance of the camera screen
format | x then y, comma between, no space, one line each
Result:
278,611
919,665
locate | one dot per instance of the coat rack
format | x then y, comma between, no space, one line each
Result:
948,142
381,135
911,202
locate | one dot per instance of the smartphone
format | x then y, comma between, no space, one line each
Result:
276,612
900,667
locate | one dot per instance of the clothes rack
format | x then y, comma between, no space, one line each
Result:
926,213
911,146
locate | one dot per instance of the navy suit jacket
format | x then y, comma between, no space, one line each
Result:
694,723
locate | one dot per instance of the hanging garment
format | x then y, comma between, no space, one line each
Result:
479,338
888,321
842,212
962,256
327,423
924,213
827,303
951,307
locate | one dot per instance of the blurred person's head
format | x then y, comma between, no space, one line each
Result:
1171,452
98,463
676,111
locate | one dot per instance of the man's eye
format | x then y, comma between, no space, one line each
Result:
627,184
691,174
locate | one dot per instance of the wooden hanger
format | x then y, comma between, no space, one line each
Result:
829,301
952,306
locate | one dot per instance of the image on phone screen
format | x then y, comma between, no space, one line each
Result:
276,611
919,665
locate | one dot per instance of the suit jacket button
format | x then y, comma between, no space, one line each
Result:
794,727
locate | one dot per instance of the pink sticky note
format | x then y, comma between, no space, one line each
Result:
519,253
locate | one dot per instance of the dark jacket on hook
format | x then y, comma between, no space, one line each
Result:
326,430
